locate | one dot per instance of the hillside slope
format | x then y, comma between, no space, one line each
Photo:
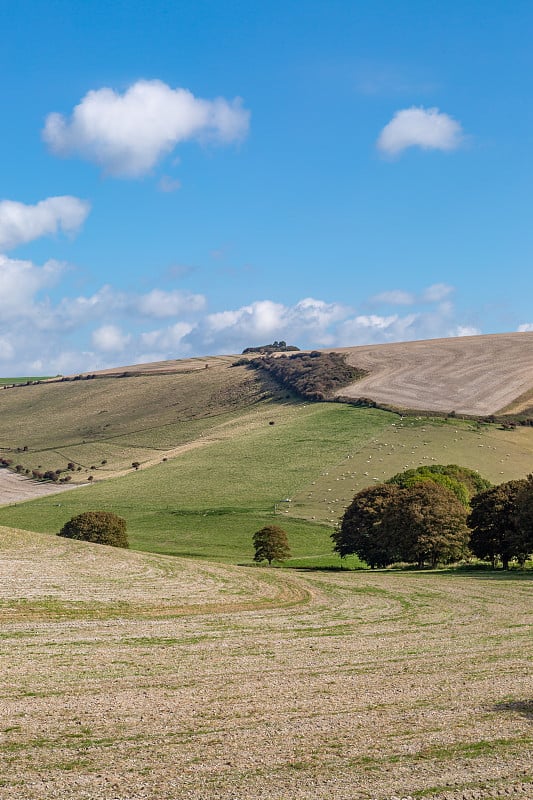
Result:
477,375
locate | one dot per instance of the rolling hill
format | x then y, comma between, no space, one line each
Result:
471,375
219,452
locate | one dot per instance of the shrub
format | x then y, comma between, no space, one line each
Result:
100,527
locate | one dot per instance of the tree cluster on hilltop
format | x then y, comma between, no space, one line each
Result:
438,515
275,347
314,376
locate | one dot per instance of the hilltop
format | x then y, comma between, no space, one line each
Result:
471,375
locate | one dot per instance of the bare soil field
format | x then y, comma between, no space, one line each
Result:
16,488
475,375
129,676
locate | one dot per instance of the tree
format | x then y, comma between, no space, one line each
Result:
101,527
271,544
422,523
361,530
524,520
426,523
463,482
494,521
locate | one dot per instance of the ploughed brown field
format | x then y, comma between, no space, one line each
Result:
474,375
130,676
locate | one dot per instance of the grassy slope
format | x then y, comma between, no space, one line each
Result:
208,502
119,420
229,470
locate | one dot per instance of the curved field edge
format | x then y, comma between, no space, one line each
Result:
51,578
377,685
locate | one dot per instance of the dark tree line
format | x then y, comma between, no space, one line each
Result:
314,375
423,520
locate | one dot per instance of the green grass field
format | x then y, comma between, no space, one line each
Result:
301,471
14,381
209,501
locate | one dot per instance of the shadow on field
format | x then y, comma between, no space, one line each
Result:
524,707
497,575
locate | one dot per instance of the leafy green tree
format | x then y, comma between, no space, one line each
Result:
524,520
101,527
494,522
462,481
271,544
361,530
426,523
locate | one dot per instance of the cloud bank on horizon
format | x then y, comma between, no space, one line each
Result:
124,328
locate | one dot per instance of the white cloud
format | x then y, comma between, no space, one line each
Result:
436,293
398,297
167,340
20,223
428,129
395,297
465,330
40,336
232,330
20,282
127,134
107,301
110,339
525,327
158,303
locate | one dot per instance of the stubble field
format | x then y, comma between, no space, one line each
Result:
469,375
129,676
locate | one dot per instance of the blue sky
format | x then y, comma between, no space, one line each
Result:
186,178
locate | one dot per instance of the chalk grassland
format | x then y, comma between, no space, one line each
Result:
129,675
119,420
209,501
300,472
476,375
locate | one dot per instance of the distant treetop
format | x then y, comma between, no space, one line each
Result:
275,347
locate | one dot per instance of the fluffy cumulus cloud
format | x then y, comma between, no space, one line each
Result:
20,223
111,327
526,327
127,134
110,339
20,283
257,323
427,128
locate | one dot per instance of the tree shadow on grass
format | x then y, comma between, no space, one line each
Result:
524,707
487,574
